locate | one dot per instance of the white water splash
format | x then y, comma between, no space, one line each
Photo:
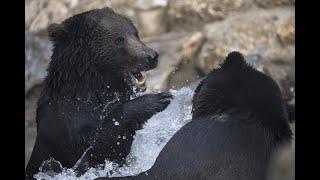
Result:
147,144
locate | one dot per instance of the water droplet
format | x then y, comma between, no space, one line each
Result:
123,137
118,143
116,123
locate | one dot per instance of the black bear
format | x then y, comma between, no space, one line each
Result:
239,119
98,63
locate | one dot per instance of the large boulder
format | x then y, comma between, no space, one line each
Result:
41,13
266,37
175,49
193,14
274,3
86,5
148,15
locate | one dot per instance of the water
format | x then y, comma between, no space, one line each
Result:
147,144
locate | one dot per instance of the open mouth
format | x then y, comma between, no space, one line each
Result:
138,78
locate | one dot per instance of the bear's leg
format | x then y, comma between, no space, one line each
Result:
137,111
131,115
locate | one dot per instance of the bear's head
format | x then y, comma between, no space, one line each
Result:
103,41
239,90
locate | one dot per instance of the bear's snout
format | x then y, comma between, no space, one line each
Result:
152,58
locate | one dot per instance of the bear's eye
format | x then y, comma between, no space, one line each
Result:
119,40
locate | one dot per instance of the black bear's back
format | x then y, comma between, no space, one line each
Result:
210,149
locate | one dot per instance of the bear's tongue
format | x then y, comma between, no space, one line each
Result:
138,78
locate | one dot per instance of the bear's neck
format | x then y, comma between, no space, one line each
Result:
210,106
76,78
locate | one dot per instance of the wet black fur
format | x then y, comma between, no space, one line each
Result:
87,93
239,120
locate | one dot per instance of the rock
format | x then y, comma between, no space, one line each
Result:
186,73
286,31
148,15
259,35
183,76
37,57
193,14
86,5
191,47
151,22
170,47
274,3
39,14
32,9
149,4
151,16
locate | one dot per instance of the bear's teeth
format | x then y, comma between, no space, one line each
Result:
143,77
141,80
138,80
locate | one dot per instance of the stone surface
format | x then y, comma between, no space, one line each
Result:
151,16
186,73
274,3
37,57
191,47
151,22
255,34
149,4
148,15
171,52
39,14
193,14
286,31
87,5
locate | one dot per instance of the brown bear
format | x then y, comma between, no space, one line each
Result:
87,102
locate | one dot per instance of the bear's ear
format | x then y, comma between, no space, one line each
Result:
234,59
57,32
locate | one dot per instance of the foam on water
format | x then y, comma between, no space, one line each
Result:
147,144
